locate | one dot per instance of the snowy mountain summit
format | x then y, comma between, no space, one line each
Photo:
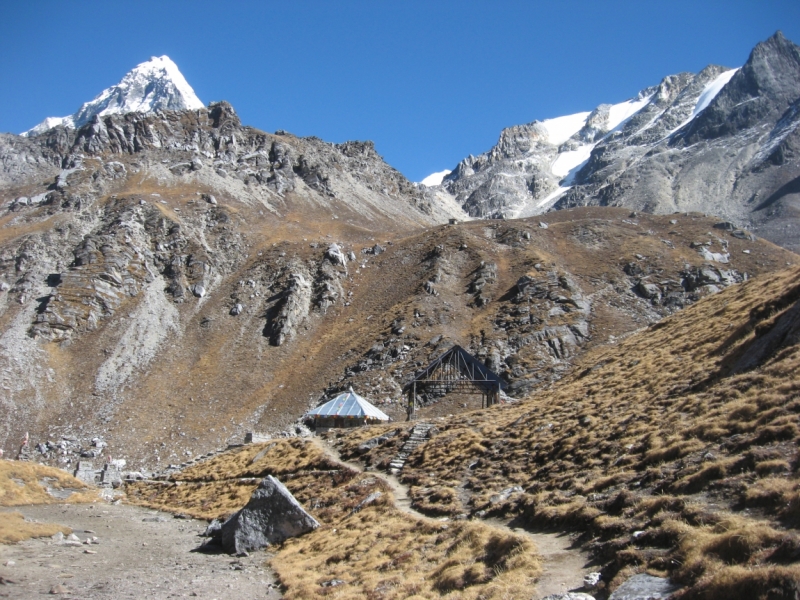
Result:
153,85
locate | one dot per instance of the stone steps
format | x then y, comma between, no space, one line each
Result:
419,435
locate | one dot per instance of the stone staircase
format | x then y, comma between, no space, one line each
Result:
419,435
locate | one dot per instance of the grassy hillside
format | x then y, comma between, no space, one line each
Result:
216,375
24,483
672,452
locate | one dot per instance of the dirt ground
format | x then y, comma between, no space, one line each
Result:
563,566
140,553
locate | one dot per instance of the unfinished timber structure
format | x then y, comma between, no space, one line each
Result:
455,370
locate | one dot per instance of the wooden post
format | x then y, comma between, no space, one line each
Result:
412,401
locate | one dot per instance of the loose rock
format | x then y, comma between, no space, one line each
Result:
271,516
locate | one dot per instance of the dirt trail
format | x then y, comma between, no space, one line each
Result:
400,491
141,554
563,566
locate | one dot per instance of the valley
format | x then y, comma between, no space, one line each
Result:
173,280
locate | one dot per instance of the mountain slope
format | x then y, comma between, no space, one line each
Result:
722,142
674,452
154,85
178,278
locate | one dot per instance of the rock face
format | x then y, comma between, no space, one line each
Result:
722,142
271,516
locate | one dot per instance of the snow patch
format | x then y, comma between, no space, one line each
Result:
435,178
560,129
711,90
619,113
567,164
705,98
567,161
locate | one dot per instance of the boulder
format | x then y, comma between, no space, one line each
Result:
214,529
720,257
648,290
371,443
335,255
371,499
271,516
590,580
743,235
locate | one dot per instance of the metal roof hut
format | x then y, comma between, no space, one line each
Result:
455,370
346,410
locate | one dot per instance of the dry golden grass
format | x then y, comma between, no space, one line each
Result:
26,483
659,436
379,551
14,528
258,460
202,500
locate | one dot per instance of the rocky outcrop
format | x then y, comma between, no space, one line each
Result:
271,516
293,308
211,146
483,277
131,244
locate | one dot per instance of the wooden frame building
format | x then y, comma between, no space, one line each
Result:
455,370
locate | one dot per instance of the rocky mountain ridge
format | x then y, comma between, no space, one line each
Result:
721,141
172,279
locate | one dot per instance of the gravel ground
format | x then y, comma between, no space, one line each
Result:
140,554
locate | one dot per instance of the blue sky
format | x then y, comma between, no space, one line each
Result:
429,82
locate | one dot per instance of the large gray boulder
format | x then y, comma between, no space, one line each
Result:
271,516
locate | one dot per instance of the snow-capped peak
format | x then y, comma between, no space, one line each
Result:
154,85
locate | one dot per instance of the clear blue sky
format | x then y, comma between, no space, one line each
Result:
428,81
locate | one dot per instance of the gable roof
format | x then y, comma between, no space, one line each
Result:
469,367
348,404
